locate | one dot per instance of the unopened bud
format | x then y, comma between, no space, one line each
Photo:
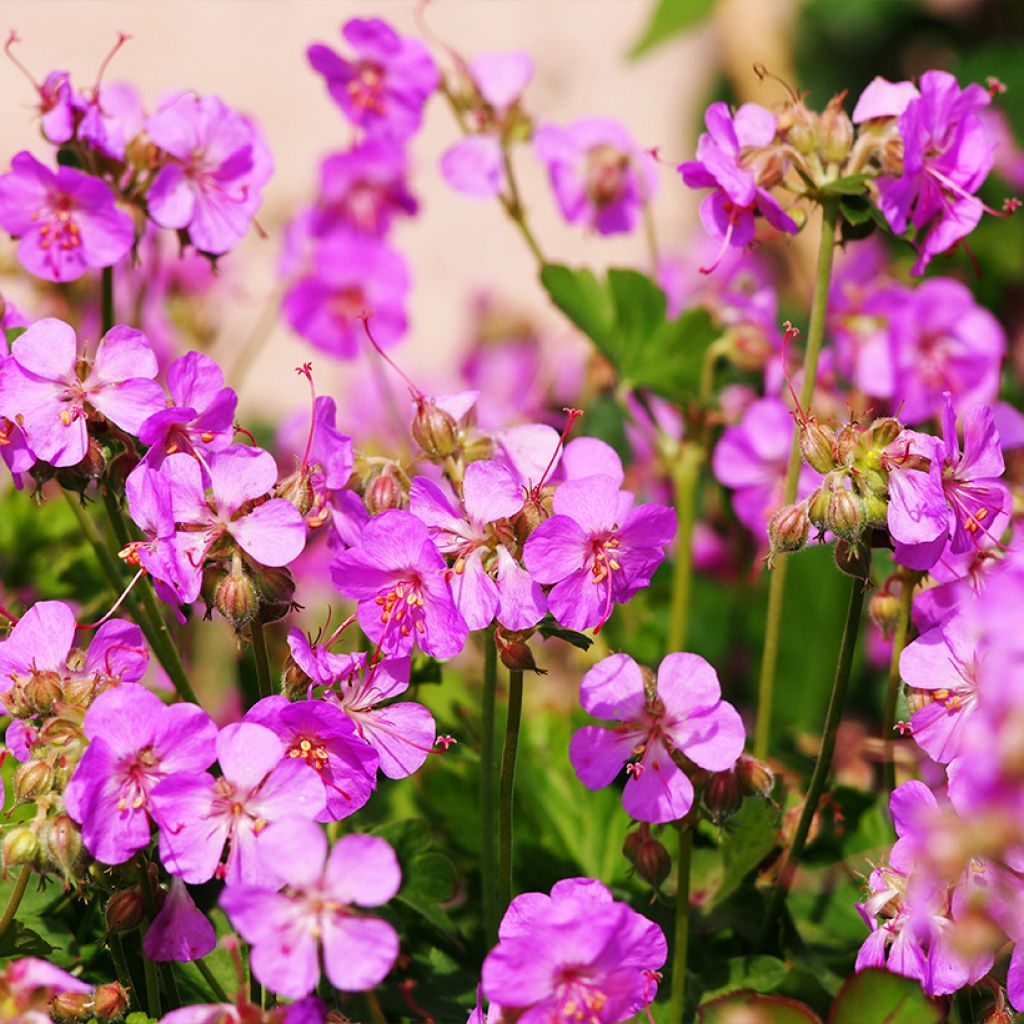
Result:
478,448
32,780
298,489
124,910
62,844
853,559
276,589
653,862
20,846
435,431
722,795
295,683
800,126
755,777
110,1001
384,492
845,518
875,510
236,598
884,431
41,690
816,445
848,439
835,131
788,528
71,1006
62,732
92,467
631,844
817,508
516,653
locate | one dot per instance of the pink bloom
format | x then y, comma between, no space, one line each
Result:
135,741
44,389
600,178
67,221
400,581
28,986
383,89
199,815
597,549
180,931
286,929
684,713
211,185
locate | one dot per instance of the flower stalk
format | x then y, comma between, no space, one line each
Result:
682,923
507,786
488,820
259,650
908,581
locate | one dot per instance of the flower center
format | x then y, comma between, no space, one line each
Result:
347,303
605,174
58,229
366,87
312,752
403,606
605,559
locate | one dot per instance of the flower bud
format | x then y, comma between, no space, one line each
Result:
788,528
298,489
848,438
20,846
875,511
32,780
755,777
236,598
884,608
816,446
852,559
516,653
884,431
71,1006
41,690
435,431
835,131
478,448
295,683
817,508
92,467
124,910
631,844
62,844
384,492
722,795
800,126
845,518
653,862
110,1001
276,589
64,731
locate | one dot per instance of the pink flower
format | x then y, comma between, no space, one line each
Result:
199,815
67,221
180,931
211,185
383,89
320,906
597,549
28,985
683,712
44,389
135,741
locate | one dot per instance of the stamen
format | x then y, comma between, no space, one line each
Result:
122,38
306,370
13,38
573,415
415,391
117,604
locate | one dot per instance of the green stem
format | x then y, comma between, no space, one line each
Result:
210,978
823,765
908,580
108,299
682,926
507,786
513,204
685,474
259,650
149,907
776,590
124,974
488,774
14,902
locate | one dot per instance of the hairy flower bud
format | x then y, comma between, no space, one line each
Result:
124,910
788,528
32,780
653,862
884,431
65,730
92,467
848,439
295,683
515,652
817,443
41,690
835,131
755,777
435,431
875,511
236,597
71,1006
297,488
722,795
631,844
20,846
110,1001
845,518
276,588
62,844
800,126
852,559
817,508
384,492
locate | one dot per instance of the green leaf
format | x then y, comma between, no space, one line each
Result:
851,185
13,333
548,628
19,941
668,19
763,973
882,997
750,1006
748,837
139,1018
582,298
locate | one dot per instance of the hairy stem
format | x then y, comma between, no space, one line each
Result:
823,765
259,650
908,580
488,774
682,925
685,474
17,894
776,589
507,787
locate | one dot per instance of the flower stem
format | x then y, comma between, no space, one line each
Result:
17,894
211,979
823,765
488,821
776,589
124,975
513,204
685,474
259,650
908,580
107,309
682,927
507,787
150,967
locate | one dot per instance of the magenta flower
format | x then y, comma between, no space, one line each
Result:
727,161
211,185
273,533
44,389
324,738
363,190
67,221
400,581
942,664
199,815
180,931
946,158
575,952
28,986
56,108
383,89
135,741
316,661
202,415
110,118
486,579
597,549
352,277
402,732
320,906
685,713
304,1011
599,176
